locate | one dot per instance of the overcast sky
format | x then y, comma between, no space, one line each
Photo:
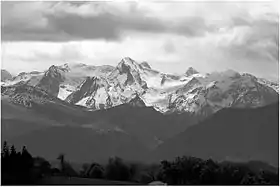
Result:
209,36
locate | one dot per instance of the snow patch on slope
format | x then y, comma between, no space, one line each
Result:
65,91
83,101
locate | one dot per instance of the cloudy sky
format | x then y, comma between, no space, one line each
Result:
170,36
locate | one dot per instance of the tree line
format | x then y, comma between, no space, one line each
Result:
19,168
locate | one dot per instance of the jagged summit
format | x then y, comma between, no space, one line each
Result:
146,65
127,59
127,73
191,71
127,63
55,71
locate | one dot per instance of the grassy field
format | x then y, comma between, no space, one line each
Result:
81,181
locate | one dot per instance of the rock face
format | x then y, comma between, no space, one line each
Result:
52,79
5,75
92,93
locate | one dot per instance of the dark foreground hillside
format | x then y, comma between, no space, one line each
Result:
20,168
230,134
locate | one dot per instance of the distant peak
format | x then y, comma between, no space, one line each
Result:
63,68
5,75
191,71
52,67
145,64
249,76
73,65
93,78
126,64
127,59
3,70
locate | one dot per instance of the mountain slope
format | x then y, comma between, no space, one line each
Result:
145,123
237,134
26,102
80,144
36,109
5,75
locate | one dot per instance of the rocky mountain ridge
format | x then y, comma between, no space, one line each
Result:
101,87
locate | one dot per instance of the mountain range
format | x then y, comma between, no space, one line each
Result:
101,87
139,113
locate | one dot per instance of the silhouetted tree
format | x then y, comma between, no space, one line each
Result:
117,170
20,168
17,166
95,171
65,167
6,150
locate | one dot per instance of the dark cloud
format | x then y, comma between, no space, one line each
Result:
70,26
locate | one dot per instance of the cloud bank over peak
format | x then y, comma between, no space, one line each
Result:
171,36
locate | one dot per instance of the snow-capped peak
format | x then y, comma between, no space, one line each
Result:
126,64
191,71
127,60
